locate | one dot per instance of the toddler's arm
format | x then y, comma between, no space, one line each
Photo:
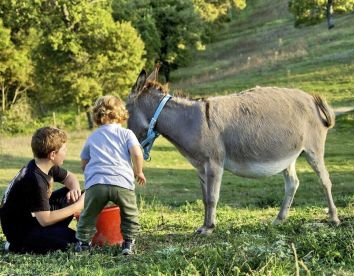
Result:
83,164
137,158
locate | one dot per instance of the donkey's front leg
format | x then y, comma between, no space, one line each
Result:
211,191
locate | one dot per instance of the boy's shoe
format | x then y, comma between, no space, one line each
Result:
82,246
6,246
128,247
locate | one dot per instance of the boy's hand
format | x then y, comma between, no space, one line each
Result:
73,195
140,178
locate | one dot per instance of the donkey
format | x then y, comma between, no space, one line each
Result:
255,133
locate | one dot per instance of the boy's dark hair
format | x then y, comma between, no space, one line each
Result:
47,139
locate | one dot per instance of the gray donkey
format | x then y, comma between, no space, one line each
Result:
259,132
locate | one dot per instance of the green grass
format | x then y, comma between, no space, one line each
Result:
244,242
263,48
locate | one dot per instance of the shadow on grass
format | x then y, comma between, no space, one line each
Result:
182,186
12,162
164,148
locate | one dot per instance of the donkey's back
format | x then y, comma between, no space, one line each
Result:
263,130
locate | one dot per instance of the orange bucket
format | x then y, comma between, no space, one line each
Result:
108,227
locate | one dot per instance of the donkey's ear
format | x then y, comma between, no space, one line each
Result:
154,75
140,82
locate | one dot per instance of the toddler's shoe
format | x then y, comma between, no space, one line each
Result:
82,246
128,247
6,246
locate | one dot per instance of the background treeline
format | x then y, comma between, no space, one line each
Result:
57,56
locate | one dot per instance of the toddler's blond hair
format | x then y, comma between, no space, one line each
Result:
109,109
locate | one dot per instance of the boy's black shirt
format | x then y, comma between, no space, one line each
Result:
28,192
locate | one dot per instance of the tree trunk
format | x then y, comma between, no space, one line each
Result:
329,14
165,68
3,97
89,118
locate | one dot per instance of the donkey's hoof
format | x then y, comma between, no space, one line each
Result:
335,221
203,230
277,221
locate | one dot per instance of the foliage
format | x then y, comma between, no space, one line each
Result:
310,12
173,30
140,14
213,10
170,29
65,53
19,118
16,67
87,55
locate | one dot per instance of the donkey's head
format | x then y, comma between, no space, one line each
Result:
137,120
140,105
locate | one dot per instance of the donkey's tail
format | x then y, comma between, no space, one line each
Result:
326,110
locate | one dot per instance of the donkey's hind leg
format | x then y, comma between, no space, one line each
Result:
316,161
291,185
202,179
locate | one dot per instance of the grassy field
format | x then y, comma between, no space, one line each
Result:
245,241
259,48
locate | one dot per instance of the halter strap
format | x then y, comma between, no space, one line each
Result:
152,134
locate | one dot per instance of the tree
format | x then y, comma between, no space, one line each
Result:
329,14
72,49
211,11
16,67
85,54
140,14
309,12
171,29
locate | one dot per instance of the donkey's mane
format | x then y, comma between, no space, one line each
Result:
164,89
155,84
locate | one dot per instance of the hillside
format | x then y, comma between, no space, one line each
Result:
262,47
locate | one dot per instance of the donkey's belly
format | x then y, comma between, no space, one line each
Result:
254,169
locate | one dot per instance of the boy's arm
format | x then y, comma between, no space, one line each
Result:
46,218
137,159
73,184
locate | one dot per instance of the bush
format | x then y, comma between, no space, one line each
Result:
22,119
19,119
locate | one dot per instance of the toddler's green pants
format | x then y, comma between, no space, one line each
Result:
96,198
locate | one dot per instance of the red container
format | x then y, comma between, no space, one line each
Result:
108,227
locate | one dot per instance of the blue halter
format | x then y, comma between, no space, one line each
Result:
152,134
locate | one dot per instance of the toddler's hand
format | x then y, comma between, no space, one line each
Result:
140,178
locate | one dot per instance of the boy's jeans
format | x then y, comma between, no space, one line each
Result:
96,198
